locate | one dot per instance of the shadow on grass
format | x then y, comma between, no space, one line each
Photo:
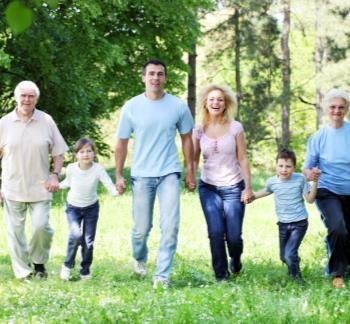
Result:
187,273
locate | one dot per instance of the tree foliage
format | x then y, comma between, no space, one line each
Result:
86,55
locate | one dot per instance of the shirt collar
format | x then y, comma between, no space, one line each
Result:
15,116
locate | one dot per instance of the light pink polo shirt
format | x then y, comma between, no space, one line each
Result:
220,164
25,149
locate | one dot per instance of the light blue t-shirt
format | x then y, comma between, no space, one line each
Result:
154,124
289,197
329,150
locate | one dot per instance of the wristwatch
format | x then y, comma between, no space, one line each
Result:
57,173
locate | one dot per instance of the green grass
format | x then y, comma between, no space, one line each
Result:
261,294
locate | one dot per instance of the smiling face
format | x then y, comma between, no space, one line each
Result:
154,79
336,110
215,103
26,99
85,157
284,168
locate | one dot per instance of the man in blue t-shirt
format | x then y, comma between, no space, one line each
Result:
153,117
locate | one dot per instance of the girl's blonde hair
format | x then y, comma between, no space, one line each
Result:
230,103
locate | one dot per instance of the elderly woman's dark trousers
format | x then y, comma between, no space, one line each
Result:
336,212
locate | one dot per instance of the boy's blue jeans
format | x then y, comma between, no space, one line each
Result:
85,218
224,212
144,190
291,235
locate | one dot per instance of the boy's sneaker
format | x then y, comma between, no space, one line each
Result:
140,268
160,283
86,277
65,273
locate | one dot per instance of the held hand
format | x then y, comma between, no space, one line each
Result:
247,196
190,181
120,185
52,184
315,174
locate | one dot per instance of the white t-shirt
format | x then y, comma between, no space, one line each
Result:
83,184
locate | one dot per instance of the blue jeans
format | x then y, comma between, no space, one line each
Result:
335,210
291,235
87,218
224,212
145,189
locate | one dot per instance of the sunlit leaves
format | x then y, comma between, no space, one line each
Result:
18,16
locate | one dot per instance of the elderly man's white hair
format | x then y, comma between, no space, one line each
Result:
336,93
25,84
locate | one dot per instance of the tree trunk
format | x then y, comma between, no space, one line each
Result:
237,59
286,95
191,82
319,57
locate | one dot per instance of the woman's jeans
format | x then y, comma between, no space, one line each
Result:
85,217
291,235
224,214
336,215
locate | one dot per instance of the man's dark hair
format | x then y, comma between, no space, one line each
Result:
155,62
286,154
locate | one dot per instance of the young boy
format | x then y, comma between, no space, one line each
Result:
289,189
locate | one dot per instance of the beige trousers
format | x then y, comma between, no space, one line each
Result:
41,234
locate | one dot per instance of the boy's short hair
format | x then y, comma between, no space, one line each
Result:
286,154
81,143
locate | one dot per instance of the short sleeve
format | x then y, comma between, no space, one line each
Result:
236,128
185,123
59,145
269,185
125,127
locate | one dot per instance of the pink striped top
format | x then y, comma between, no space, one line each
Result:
220,164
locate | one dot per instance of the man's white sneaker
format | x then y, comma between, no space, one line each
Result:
160,283
86,277
65,273
140,268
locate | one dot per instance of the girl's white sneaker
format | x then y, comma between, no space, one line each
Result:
65,273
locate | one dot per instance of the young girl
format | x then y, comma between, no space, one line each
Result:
82,178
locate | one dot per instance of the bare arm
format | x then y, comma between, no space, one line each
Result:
311,195
121,151
242,158
260,194
187,149
53,183
196,153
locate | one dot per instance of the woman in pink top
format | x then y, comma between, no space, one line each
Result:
225,175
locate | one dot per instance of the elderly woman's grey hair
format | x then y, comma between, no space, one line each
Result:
336,93
25,84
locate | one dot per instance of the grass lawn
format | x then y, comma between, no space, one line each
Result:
261,294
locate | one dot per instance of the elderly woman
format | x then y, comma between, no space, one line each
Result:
328,149
27,137
225,175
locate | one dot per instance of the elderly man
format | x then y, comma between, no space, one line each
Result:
27,137
154,117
